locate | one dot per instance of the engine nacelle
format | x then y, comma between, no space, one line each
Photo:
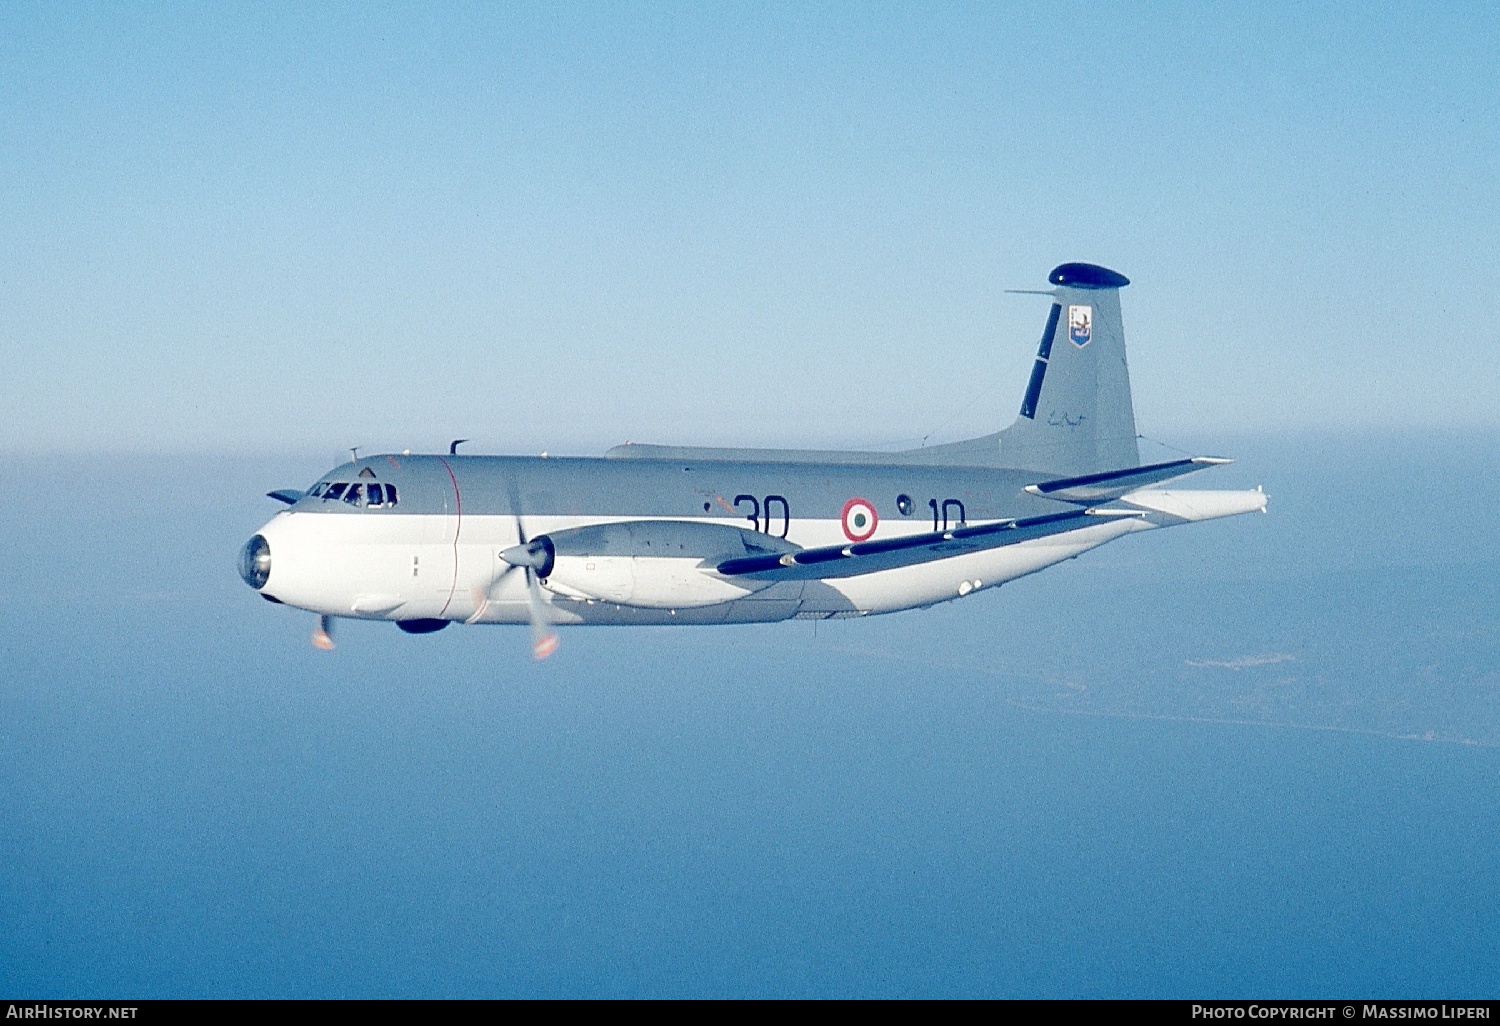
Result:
656,564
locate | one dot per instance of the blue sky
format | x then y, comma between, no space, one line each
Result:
274,227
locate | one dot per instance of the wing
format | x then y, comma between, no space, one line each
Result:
1114,483
891,553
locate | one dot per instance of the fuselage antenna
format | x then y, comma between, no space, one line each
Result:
453,446
354,453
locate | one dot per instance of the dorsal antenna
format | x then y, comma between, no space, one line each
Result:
453,446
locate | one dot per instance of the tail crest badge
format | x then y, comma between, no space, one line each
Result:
1080,325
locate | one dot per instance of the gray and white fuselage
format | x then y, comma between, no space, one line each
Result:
656,535
435,554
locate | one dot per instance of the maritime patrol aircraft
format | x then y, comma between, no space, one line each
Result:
657,534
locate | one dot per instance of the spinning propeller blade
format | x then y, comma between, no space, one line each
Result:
534,559
322,635
543,637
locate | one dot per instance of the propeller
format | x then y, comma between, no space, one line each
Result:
322,635
534,558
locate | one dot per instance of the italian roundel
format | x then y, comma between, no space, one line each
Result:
859,519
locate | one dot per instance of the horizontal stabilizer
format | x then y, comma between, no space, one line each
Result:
1114,483
892,553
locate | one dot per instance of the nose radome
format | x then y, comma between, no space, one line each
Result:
255,562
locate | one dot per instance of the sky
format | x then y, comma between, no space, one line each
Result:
297,228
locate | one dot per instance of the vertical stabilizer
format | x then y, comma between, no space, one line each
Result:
1076,415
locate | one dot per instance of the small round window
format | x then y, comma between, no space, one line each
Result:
903,504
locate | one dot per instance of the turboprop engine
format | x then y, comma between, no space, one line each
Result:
657,564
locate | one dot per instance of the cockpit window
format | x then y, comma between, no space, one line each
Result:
362,496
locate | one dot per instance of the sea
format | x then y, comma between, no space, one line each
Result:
1254,758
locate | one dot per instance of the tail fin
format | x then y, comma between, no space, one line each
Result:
1077,416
